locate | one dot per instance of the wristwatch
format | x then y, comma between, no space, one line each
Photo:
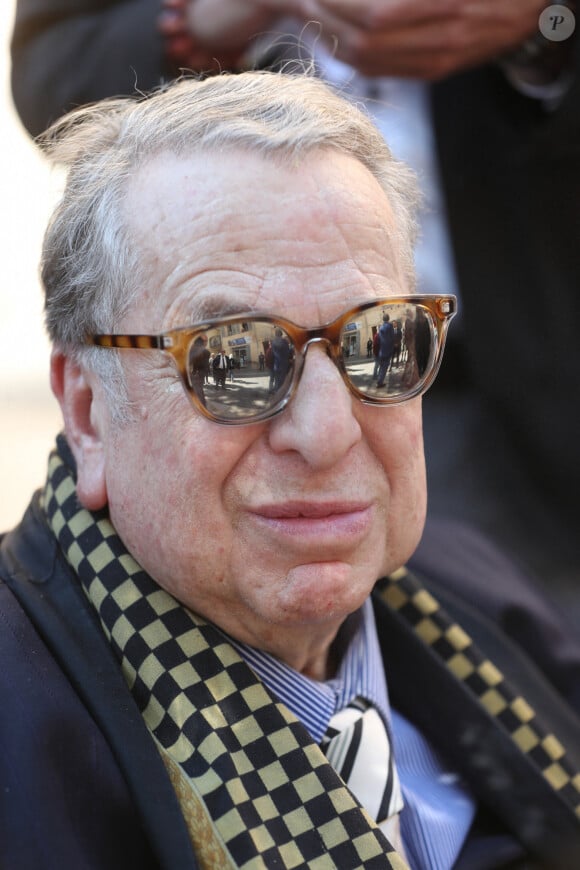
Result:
544,58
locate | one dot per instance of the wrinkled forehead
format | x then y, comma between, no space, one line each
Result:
235,232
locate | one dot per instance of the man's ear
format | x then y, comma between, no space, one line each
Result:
84,413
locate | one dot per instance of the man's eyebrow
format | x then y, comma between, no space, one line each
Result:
215,307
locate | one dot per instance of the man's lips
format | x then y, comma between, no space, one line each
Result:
339,519
308,510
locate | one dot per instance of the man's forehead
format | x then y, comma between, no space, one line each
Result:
236,172
244,205
264,243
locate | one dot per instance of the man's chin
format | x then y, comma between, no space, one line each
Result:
317,592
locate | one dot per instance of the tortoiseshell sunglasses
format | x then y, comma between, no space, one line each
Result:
387,351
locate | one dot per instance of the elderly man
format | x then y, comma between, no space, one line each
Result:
486,108
213,653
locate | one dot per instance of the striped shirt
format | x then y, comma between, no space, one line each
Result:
438,809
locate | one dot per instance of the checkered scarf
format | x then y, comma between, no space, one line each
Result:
254,789
484,680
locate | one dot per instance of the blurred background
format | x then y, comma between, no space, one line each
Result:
29,416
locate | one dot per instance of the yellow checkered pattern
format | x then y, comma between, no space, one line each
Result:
254,790
403,593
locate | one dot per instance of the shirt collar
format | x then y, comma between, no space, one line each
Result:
360,673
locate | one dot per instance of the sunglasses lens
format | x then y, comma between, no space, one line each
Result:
388,350
241,371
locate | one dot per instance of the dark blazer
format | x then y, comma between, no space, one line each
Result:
83,784
66,53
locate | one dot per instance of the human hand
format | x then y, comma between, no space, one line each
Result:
421,38
230,24
202,34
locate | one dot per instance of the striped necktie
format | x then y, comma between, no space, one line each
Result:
358,745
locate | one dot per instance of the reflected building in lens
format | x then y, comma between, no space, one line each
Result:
247,340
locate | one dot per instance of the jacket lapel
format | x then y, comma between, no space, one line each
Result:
57,606
518,752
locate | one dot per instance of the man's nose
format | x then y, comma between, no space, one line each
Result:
319,422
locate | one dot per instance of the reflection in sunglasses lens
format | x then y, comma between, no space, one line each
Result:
388,350
241,370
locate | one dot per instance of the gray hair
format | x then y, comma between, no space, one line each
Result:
90,268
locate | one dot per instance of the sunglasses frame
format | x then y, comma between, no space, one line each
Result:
177,344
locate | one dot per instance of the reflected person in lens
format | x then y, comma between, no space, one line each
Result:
230,639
